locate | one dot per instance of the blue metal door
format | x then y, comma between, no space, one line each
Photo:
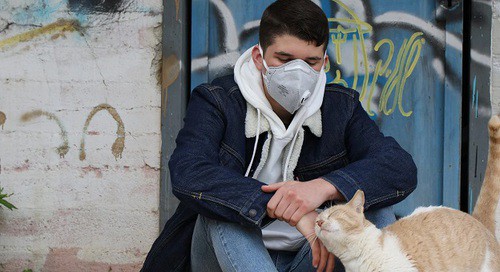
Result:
403,56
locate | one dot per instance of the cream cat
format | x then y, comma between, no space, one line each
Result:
430,239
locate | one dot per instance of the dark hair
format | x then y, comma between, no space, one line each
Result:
299,18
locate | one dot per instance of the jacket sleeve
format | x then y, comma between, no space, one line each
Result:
377,164
197,177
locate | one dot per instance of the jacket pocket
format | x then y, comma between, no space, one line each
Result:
229,157
321,168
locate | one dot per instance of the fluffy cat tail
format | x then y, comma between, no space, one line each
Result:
487,209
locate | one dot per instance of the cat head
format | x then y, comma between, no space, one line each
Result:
335,225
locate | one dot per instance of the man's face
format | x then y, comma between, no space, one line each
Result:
287,48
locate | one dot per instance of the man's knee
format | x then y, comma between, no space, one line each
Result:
230,245
221,230
381,217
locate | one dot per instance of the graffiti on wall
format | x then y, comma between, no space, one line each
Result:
39,15
119,143
421,31
31,33
395,69
116,148
63,149
56,30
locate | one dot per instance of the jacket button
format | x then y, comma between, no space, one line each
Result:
252,213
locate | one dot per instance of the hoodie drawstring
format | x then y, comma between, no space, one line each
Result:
256,143
288,157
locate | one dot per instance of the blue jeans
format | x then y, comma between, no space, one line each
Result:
223,246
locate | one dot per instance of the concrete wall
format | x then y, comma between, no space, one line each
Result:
495,55
79,133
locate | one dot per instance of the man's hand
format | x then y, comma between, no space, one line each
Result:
322,259
293,199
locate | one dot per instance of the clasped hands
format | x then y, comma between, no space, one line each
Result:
295,203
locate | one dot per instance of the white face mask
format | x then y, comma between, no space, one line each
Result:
290,84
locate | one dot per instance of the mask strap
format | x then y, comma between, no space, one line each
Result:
263,60
324,58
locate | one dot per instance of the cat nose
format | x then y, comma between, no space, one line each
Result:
320,222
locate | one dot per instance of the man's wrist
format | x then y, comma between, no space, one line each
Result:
332,192
306,224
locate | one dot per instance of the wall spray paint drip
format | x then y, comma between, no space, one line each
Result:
3,118
119,144
63,149
171,68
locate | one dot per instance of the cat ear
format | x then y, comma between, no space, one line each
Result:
358,201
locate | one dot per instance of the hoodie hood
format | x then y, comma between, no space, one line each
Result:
249,80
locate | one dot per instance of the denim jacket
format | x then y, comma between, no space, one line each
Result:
208,165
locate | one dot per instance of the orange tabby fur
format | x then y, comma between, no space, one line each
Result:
430,239
487,209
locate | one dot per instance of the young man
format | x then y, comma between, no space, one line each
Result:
274,141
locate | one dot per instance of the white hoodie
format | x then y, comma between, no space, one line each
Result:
282,148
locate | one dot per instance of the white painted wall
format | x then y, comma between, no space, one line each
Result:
495,58
101,212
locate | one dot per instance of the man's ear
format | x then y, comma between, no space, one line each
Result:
358,201
257,58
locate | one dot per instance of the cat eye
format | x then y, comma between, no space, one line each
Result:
334,213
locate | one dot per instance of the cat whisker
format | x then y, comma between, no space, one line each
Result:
311,238
308,238
314,239
312,234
